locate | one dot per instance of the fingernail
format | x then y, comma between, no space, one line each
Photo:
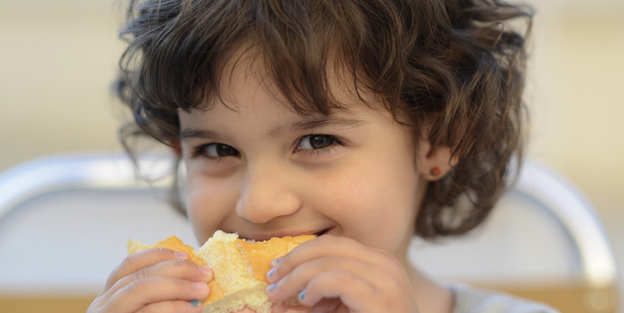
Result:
275,262
301,295
271,287
200,285
182,255
271,273
195,303
206,271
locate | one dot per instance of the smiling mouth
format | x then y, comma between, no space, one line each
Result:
322,232
317,234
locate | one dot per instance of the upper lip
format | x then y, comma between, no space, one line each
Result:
267,236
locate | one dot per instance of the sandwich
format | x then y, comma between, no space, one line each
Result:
239,266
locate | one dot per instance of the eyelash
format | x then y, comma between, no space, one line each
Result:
199,151
325,150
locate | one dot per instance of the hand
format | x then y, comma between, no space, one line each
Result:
337,274
154,281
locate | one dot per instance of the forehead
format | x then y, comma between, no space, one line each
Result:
246,77
249,99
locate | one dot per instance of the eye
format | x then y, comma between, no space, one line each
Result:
217,150
316,142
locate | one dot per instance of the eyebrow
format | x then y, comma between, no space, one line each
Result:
314,123
299,126
189,133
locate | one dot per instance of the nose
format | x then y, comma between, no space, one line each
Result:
267,192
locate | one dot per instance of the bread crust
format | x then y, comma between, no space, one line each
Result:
239,266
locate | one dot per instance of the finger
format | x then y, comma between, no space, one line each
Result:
358,297
142,259
283,308
176,306
323,246
150,290
326,305
181,269
295,281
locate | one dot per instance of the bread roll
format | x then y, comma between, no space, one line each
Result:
240,268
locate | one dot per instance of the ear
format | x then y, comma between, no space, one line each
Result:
434,162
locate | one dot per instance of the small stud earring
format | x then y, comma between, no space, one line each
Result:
435,171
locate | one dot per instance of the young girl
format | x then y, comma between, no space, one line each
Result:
361,121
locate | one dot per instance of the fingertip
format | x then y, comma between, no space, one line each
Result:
200,285
271,288
272,292
206,272
195,306
306,299
271,277
202,288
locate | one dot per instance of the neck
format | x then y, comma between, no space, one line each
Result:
430,296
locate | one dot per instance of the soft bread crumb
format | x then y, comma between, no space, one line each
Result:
172,243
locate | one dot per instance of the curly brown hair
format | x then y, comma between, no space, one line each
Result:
457,61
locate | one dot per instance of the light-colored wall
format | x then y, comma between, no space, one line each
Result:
575,96
57,60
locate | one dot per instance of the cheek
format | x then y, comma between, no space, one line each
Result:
376,205
208,204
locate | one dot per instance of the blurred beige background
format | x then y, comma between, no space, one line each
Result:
59,57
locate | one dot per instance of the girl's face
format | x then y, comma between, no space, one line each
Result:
261,170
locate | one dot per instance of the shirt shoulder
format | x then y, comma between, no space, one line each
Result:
472,300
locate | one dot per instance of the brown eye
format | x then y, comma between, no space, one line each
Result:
219,150
316,142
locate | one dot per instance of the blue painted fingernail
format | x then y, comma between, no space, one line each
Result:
195,303
271,272
275,262
271,287
301,295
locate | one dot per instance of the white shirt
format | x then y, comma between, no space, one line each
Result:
471,300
